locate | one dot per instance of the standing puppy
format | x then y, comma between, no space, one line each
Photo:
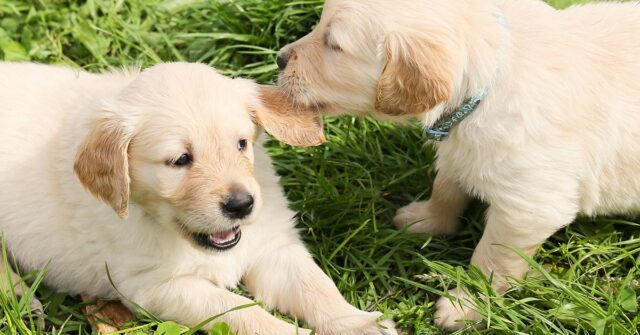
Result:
537,110
197,205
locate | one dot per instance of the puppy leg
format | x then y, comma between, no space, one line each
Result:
286,277
508,225
9,279
190,300
440,214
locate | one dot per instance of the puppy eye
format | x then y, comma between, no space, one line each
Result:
331,45
242,145
334,47
184,160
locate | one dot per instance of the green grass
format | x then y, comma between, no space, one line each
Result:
585,279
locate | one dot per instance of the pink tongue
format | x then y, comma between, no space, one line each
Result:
223,237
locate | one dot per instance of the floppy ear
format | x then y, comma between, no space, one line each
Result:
287,121
102,164
418,75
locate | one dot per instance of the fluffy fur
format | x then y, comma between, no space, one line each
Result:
557,135
122,132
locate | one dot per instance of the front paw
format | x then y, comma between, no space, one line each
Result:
303,331
292,330
36,312
361,324
456,313
424,217
387,327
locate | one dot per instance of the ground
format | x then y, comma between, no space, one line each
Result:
584,279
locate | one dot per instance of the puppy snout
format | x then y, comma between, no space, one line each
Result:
282,60
238,205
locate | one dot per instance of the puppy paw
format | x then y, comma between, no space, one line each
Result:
302,331
387,327
363,324
421,217
36,312
455,313
289,329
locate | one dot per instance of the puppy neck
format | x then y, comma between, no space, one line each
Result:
487,47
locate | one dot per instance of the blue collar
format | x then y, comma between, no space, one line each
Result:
442,127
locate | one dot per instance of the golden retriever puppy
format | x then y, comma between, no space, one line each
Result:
186,201
537,110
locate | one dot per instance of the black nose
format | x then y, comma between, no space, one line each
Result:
238,206
282,61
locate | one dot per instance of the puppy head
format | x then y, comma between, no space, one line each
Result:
178,142
375,55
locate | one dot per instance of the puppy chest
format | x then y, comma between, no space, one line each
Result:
495,172
475,173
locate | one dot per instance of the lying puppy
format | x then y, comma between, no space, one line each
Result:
197,204
537,110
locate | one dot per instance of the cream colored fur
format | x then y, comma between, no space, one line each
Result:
51,119
557,135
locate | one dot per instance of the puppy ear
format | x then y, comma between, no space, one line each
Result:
287,121
418,75
102,163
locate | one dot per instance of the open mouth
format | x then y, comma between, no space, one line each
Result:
303,98
221,241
